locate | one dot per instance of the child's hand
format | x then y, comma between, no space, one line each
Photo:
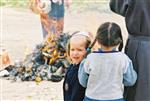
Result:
44,6
68,3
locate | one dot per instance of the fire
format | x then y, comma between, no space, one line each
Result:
4,58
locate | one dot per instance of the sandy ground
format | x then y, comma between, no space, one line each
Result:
21,30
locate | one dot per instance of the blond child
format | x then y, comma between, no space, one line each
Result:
77,46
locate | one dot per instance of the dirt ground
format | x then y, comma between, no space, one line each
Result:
21,31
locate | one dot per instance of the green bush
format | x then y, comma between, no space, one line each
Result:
77,5
96,5
14,3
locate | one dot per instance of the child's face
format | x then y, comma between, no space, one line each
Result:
77,49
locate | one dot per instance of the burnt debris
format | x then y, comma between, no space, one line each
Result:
48,61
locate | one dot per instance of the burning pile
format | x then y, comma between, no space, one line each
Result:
46,62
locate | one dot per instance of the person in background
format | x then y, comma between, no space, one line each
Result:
137,18
104,72
77,46
51,16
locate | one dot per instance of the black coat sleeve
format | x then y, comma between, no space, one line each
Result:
120,6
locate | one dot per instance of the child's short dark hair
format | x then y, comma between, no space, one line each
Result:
109,34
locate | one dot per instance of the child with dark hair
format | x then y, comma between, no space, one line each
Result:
105,71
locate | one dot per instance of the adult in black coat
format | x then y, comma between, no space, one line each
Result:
137,18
